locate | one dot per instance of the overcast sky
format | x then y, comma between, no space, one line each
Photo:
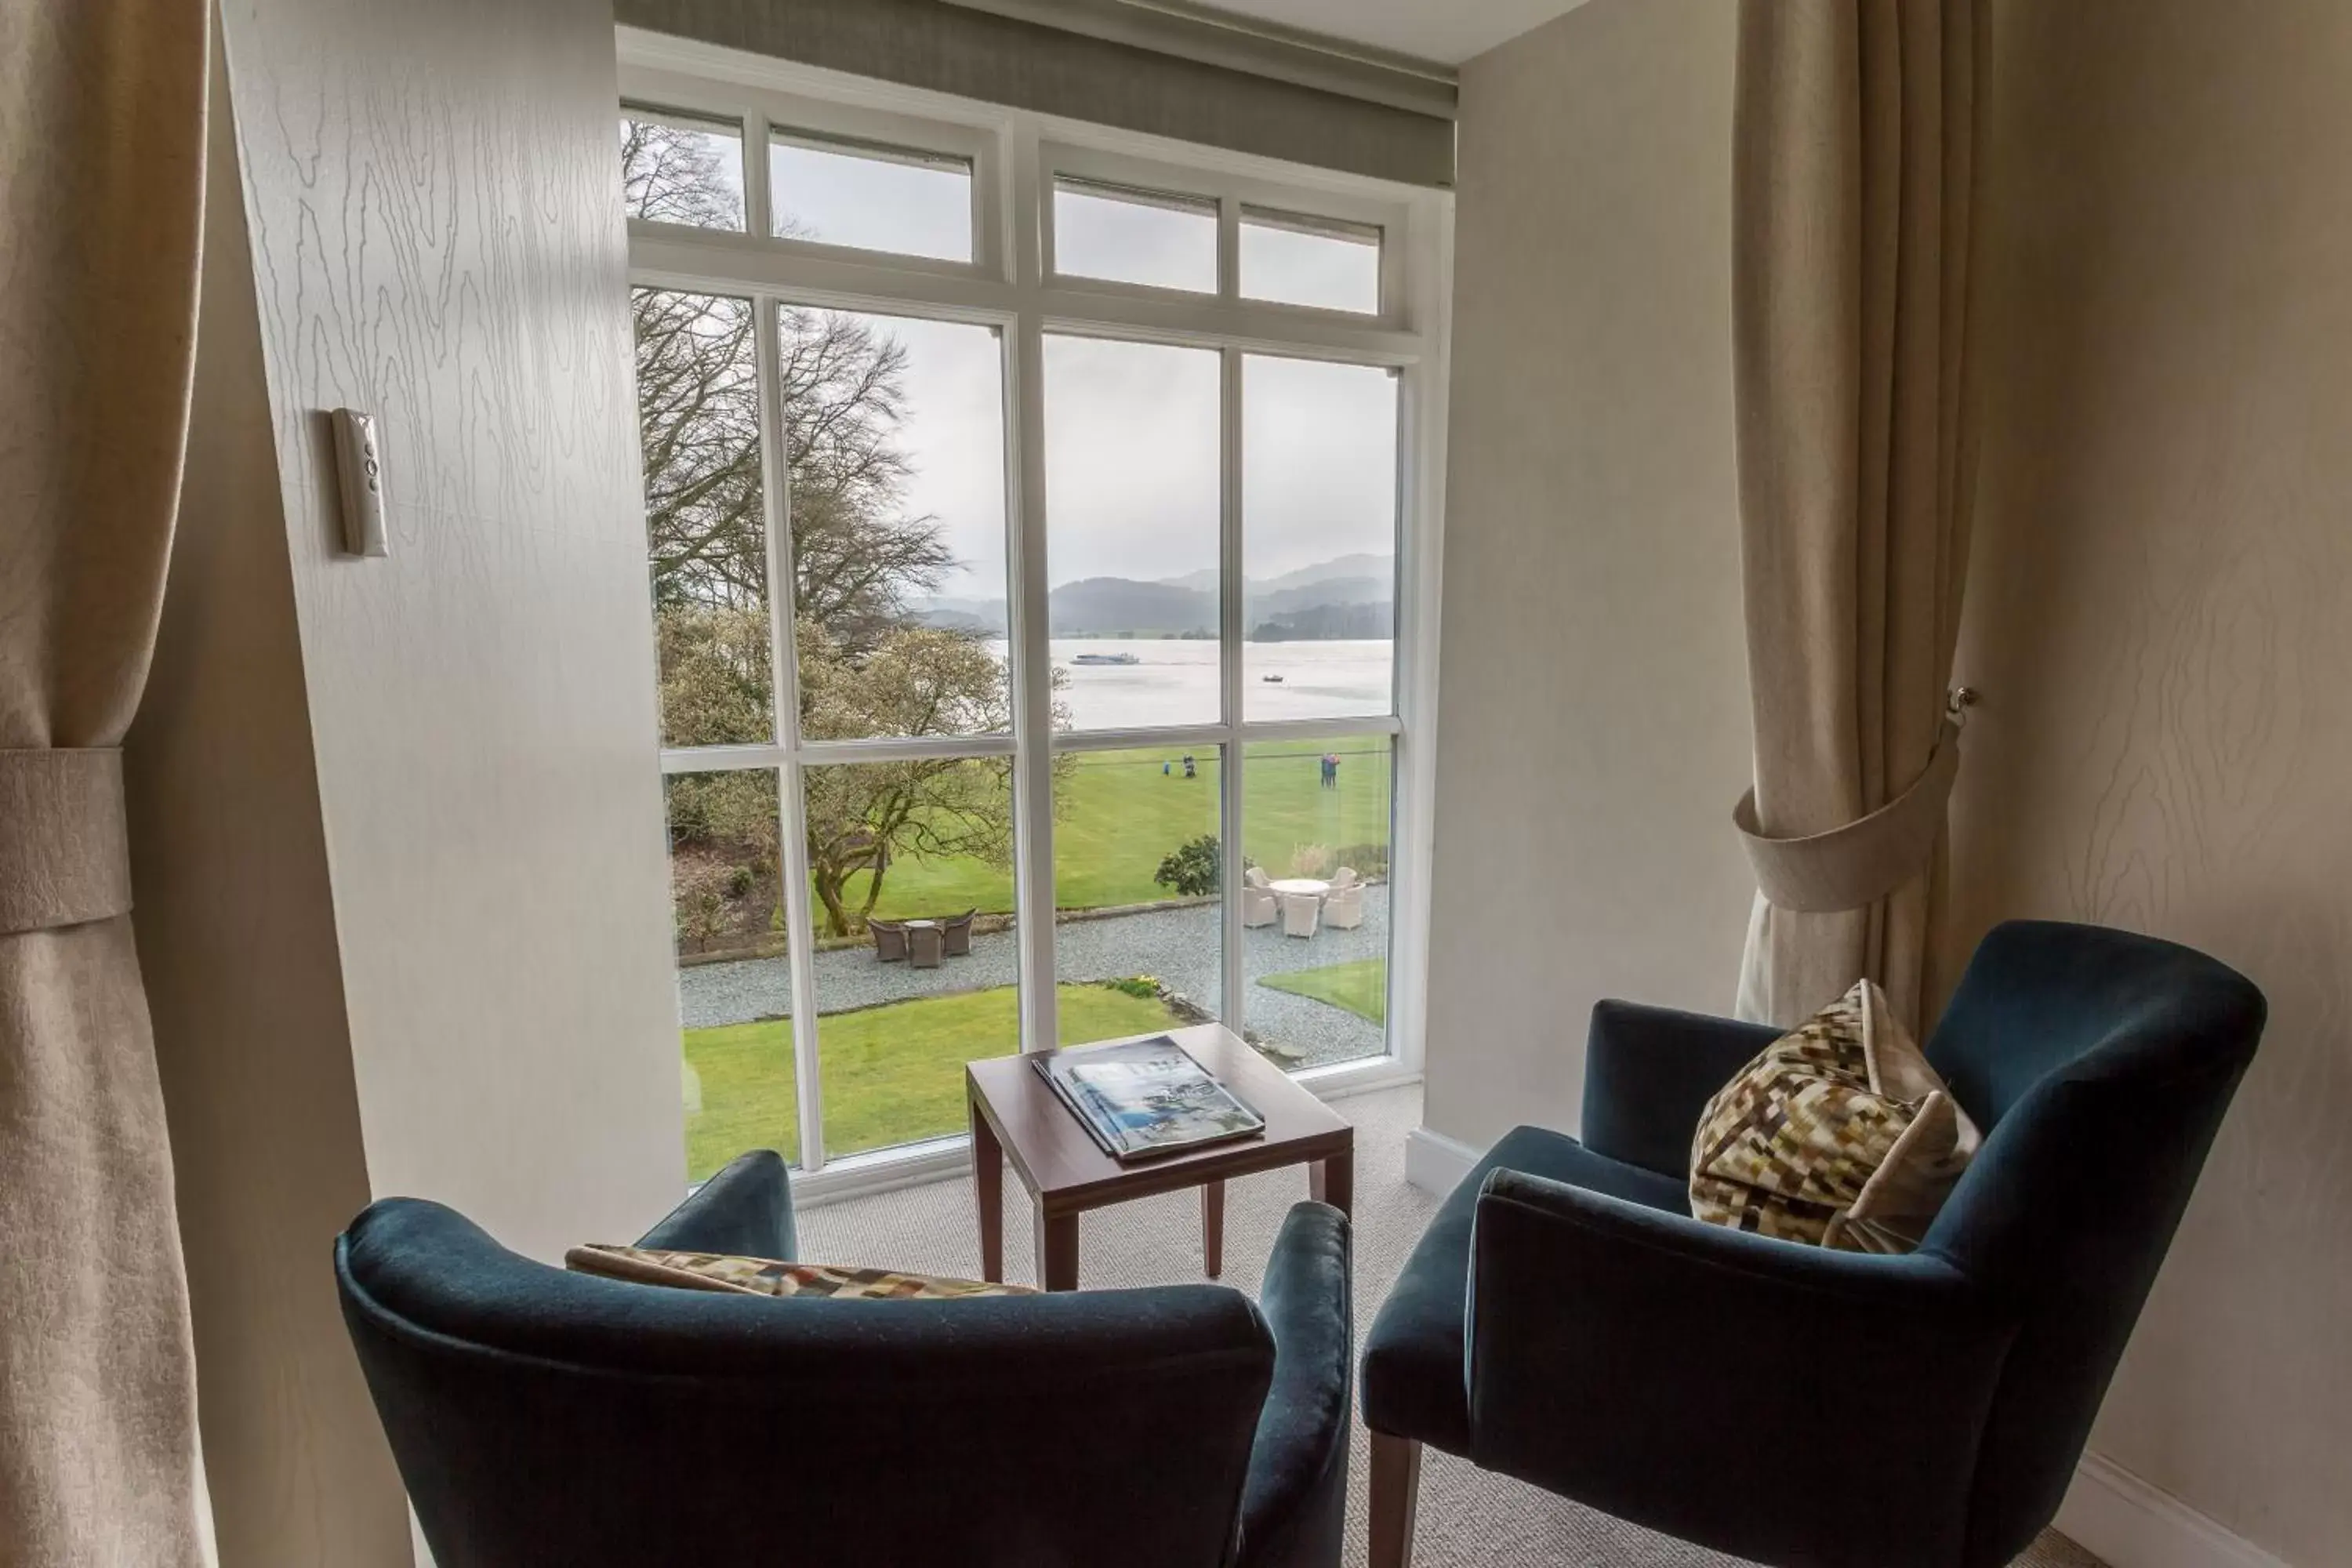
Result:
1131,428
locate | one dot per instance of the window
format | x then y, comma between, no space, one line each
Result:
869,197
1135,236
1039,653
680,169
1295,260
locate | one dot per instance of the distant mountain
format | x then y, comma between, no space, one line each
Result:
1346,597
1327,623
1107,606
1270,601
1380,566
984,615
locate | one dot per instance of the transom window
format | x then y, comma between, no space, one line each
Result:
1034,519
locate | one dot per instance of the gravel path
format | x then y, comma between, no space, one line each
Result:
1178,947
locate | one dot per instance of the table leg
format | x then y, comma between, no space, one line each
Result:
1057,1250
1213,1228
1332,1180
988,1195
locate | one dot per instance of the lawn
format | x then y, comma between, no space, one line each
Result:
1361,987
1119,815
892,1075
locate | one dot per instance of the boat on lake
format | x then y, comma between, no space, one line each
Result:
1105,658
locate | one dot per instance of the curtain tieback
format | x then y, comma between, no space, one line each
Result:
65,855
1855,866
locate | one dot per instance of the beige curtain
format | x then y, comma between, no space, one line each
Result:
1854,172
102,181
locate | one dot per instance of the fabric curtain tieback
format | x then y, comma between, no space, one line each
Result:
64,854
1855,866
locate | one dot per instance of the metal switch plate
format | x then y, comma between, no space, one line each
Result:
359,472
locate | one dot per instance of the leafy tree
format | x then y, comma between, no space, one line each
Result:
921,680
1192,869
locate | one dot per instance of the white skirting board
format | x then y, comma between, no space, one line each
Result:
1435,1162
2127,1523
2110,1512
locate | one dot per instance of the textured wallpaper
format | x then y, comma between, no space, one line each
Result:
2160,617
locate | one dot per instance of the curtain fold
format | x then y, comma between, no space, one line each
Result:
101,189
1857,127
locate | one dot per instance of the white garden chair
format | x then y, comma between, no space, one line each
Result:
1343,908
1299,913
1259,907
1345,877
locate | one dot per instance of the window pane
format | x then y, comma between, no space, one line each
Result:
1135,236
679,169
734,981
1131,510
1317,816
874,198
1294,261
1318,538
901,1010
706,525
1135,891
895,431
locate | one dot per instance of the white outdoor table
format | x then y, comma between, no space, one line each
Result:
1314,885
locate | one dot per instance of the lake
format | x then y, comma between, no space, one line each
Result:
1176,681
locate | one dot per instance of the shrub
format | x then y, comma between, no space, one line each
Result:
1367,860
739,882
701,911
1143,987
1191,870
1311,860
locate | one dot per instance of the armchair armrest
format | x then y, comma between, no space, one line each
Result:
1648,1073
1294,1504
745,1209
1623,1355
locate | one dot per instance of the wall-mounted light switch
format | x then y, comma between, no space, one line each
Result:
359,471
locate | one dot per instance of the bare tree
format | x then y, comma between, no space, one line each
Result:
841,404
867,666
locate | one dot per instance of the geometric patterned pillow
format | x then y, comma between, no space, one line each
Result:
1837,1133
771,1277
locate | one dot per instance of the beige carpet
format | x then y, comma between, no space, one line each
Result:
1468,1519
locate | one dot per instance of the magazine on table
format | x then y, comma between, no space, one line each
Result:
1146,1097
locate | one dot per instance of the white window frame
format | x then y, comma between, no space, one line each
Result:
1008,285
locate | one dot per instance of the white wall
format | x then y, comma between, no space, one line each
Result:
1592,725
2160,616
2159,613
402,879
433,191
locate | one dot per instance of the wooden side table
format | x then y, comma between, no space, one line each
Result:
1016,1115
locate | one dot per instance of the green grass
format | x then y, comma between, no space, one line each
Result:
892,1075
1117,816
1362,986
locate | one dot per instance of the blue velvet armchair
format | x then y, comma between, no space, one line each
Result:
1565,1321
543,1416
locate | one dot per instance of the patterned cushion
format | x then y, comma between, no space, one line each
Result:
771,1277
1837,1133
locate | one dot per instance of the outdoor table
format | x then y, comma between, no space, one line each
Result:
1314,885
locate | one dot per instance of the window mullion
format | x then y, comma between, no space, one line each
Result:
800,935
1029,618
758,220
1232,610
